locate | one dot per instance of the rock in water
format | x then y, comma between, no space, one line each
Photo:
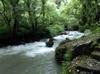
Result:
50,42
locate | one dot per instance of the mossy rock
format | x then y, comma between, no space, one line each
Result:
59,55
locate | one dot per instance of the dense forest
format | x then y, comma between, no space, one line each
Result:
25,21
35,19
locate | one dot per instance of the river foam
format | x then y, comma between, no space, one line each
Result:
39,48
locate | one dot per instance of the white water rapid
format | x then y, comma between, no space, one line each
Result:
33,58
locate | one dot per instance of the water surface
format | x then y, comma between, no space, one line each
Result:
33,58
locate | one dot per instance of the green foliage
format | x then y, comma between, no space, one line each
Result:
56,29
37,15
3,29
66,67
89,13
97,30
87,32
71,13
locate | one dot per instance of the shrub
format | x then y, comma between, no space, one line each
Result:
55,29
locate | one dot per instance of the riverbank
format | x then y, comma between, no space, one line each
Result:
77,56
33,57
21,38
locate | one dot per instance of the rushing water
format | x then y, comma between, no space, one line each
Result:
33,58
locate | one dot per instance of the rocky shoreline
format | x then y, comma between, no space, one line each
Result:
85,53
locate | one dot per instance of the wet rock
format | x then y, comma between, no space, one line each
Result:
77,49
84,49
87,66
86,46
98,40
81,46
96,54
68,39
63,42
50,42
59,55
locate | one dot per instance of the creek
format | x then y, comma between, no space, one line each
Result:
33,58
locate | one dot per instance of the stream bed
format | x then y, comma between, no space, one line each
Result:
33,58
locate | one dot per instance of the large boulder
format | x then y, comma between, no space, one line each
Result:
84,49
78,47
60,52
86,65
85,54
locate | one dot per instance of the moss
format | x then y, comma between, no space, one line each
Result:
60,52
66,67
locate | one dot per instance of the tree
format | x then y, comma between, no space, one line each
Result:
16,16
6,13
90,9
